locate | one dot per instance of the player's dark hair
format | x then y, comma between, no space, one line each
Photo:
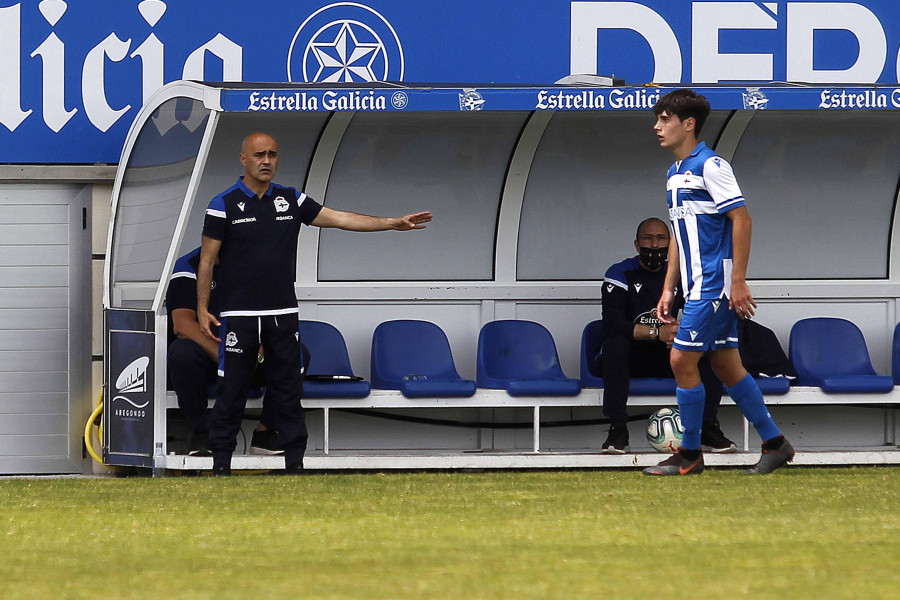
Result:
646,222
684,104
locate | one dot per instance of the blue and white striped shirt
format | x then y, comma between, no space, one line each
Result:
701,189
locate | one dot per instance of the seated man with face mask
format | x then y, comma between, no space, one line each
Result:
634,343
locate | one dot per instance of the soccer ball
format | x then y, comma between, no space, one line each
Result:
664,430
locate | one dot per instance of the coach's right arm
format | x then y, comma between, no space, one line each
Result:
209,253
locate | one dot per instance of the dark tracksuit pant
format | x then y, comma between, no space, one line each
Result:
241,338
191,372
622,358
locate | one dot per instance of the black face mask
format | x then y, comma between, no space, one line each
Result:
654,258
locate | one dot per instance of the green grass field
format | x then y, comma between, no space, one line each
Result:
799,533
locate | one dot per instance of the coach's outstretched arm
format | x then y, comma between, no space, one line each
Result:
351,221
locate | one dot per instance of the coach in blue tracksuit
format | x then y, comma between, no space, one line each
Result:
251,229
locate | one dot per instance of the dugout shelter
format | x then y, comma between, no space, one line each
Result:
535,192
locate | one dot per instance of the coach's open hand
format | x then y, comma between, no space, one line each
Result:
413,221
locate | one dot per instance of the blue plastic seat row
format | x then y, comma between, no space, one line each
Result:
651,386
827,352
415,358
520,357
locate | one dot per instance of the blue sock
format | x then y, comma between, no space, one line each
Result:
749,399
690,406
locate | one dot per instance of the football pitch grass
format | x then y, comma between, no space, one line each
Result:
798,533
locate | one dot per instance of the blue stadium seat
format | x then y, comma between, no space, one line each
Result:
520,357
773,386
652,386
831,353
415,358
329,357
590,346
640,386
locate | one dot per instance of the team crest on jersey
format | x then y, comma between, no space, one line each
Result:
281,205
231,339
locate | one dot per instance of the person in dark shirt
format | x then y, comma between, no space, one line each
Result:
635,343
192,358
251,229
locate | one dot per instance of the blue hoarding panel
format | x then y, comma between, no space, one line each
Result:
74,74
128,404
263,99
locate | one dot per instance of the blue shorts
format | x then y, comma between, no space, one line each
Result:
706,325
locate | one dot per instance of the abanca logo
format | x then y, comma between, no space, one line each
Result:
345,42
133,378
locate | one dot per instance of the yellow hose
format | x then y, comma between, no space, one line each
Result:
88,438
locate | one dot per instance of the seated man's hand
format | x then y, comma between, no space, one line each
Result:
667,333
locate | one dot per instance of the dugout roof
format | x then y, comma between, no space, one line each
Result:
528,183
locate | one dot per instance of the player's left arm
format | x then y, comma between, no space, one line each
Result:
351,221
741,300
725,191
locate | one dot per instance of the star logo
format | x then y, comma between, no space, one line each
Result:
345,42
346,59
